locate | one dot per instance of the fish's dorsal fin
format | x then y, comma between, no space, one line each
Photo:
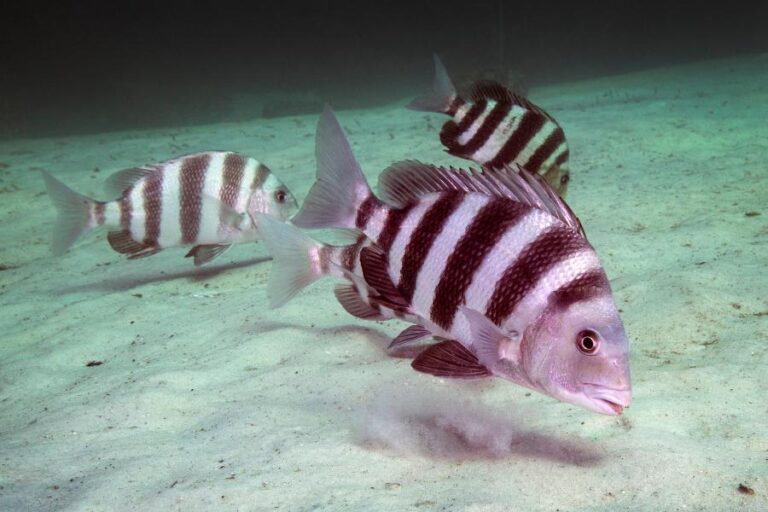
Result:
118,182
442,94
405,182
484,90
450,359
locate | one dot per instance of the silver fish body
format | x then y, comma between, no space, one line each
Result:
205,200
496,127
493,263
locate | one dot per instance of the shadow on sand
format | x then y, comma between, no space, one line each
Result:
126,283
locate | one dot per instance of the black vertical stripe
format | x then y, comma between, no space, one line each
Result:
392,225
232,179
529,126
126,209
552,142
522,276
261,175
490,124
192,180
451,130
99,209
367,207
153,206
482,235
589,285
422,238
562,158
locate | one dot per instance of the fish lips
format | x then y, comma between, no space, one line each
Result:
606,400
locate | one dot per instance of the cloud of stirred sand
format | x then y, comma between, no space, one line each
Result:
436,423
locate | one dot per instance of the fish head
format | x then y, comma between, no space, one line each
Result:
272,198
558,178
579,353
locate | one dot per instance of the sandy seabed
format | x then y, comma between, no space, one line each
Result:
208,400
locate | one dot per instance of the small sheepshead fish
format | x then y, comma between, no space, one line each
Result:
494,264
206,200
497,127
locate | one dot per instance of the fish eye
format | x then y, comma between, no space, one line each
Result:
565,178
280,196
588,342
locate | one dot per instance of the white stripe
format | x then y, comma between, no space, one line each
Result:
503,254
549,162
137,211
409,225
112,214
170,226
541,137
461,112
244,194
443,247
208,231
474,127
376,222
500,135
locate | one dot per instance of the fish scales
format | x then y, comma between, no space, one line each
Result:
492,263
206,200
496,127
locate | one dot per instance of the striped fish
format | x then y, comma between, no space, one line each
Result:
206,200
498,127
494,264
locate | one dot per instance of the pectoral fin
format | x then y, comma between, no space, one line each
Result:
491,343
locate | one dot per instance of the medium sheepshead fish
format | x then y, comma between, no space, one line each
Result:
206,200
497,127
494,264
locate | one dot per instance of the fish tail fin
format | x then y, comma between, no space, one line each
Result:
295,258
442,95
78,214
340,188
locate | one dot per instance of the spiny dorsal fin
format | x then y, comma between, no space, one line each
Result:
492,90
118,182
407,181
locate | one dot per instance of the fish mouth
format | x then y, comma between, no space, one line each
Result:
608,400
615,408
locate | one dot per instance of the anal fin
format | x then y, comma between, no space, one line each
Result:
450,359
351,300
205,253
410,335
122,242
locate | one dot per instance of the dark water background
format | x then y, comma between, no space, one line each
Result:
94,66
